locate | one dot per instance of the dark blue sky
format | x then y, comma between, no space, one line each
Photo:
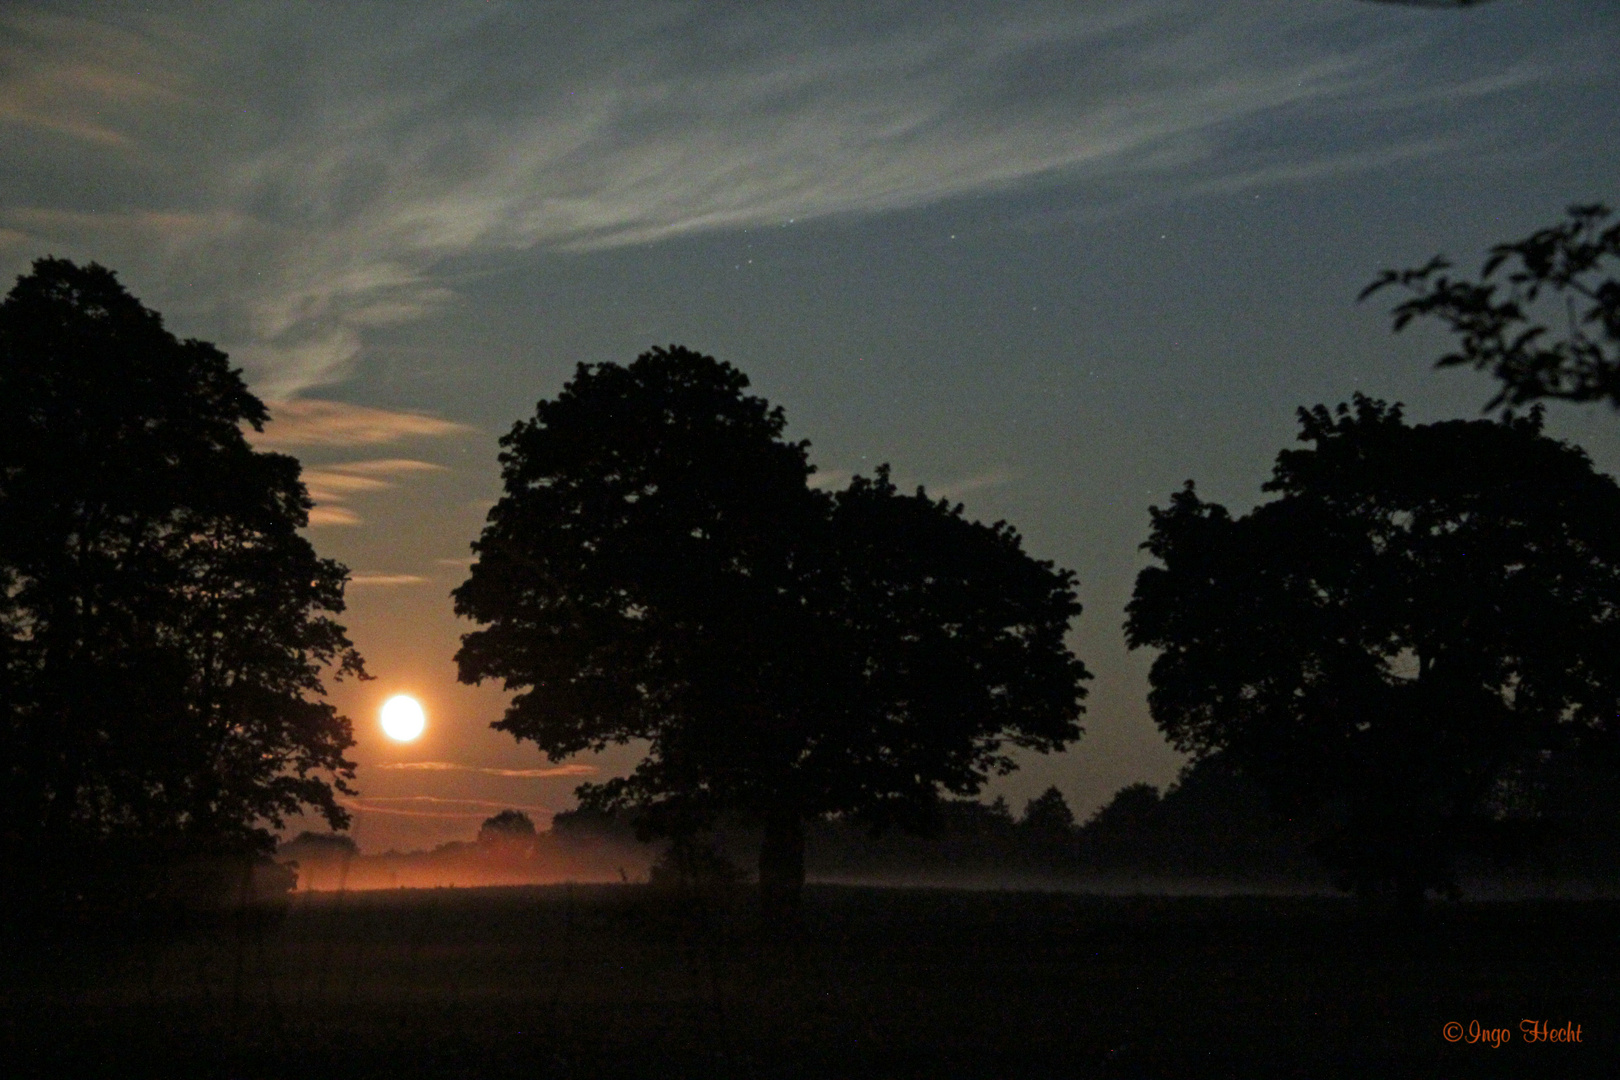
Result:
1051,260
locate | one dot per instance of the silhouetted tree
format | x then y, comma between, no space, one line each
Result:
998,812
163,626
320,845
1048,814
1571,352
1131,808
591,822
506,827
1211,821
1580,808
692,863
969,817
1123,831
659,569
1419,610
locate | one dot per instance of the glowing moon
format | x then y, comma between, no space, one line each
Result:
402,718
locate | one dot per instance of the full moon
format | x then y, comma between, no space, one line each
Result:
402,718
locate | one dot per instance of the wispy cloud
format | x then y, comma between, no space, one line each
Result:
318,424
451,766
369,805
387,467
977,482
371,578
320,197
310,422
828,479
324,516
79,79
332,485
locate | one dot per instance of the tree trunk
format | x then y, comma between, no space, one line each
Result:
781,866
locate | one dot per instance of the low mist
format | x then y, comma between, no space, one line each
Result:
1209,834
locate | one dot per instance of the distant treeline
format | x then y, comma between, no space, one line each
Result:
1210,824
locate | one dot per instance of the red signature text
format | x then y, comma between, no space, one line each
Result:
1531,1031
1474,1033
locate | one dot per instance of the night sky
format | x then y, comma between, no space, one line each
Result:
1050,260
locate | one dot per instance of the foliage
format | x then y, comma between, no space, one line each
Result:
690,863
1048,813
1422,610
592,822
1211,823
163,625
1498,323
320,845
659,570
1134,807
506,827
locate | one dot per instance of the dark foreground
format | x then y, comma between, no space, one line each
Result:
622,981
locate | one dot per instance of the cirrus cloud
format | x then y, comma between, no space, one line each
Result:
312,422
373,579
451,766
368,806
304,175
332,485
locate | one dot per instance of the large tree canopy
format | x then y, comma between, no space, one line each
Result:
659,569
1543,317
163,625
1421,613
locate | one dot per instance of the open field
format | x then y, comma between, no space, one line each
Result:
581,981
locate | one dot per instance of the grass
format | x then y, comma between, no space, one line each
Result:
584,981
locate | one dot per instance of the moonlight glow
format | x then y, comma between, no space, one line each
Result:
402,718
